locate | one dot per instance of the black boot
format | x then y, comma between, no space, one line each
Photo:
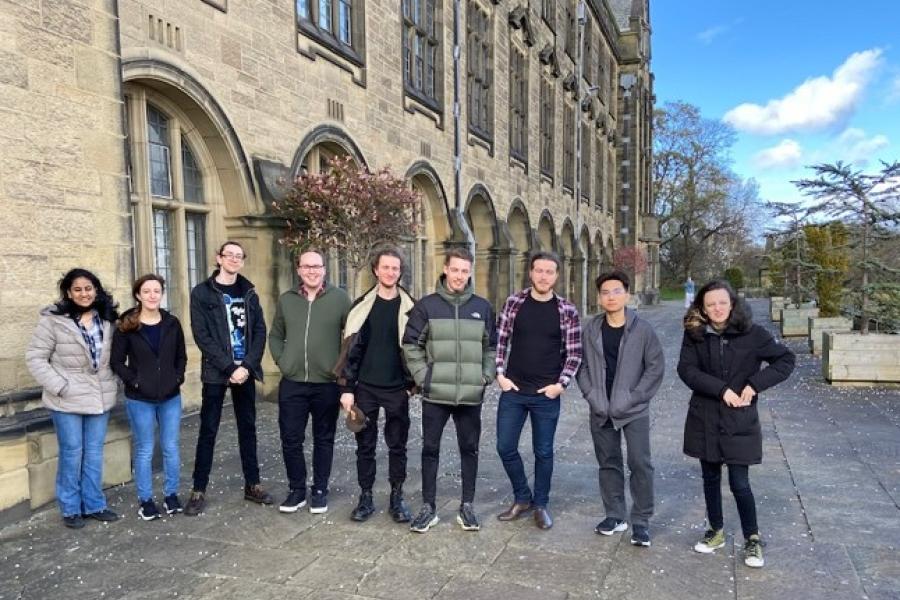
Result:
365,508
398,509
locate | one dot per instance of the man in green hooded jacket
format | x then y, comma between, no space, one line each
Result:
449,343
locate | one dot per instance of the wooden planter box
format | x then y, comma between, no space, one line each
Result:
819,325
795,321
856,359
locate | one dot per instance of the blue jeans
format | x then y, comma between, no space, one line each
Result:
144,417
512,411
79,476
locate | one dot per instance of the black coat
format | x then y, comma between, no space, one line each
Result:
209,325
147,376
710,364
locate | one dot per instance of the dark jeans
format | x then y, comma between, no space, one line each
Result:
243,400
296,402
396,432
739,482
512,411
467,419
608,448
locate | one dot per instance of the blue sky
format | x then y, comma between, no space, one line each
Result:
801,81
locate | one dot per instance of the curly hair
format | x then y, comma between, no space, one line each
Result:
696,320
103,302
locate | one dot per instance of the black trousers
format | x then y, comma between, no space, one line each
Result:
370,400
467,419
243,400
296,402
739,482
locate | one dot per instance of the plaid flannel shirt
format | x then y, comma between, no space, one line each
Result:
569,326
93,337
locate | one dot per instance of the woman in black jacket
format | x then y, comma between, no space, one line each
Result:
721,355
148,355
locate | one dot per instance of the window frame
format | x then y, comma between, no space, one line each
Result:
518,103
310,25
413,29
178,210
482,62
547,118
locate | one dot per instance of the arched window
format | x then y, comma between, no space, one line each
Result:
171,179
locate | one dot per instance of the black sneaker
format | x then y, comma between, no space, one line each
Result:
148,510
466,517
172,504
257,493
104,516
398,509
610,525
425,520
196,503
640,535
318,503
73,521
365,508
295,501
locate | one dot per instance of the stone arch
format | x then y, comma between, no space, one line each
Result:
546,232
425,252
206,178
311,156
522,240
327,140
608,252
584,279
211,125
482,220
568,252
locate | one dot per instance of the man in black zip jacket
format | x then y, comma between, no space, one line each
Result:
229,328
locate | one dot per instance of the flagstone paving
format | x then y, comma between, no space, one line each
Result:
828,496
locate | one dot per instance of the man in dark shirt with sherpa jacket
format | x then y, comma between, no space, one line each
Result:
372,375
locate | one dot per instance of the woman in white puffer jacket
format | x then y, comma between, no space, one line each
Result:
69,357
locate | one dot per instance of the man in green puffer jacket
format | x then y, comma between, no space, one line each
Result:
449,343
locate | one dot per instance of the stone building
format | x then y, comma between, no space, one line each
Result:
136,135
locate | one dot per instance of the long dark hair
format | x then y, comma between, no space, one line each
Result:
131,320
103,302
696,320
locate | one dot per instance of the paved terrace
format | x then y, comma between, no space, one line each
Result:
827,494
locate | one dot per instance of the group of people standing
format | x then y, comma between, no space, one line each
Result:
374,354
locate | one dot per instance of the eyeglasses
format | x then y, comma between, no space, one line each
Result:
311,267
613,292
232,256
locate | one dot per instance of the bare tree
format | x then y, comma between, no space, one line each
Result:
704,208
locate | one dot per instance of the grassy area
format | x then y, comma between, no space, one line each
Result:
671,293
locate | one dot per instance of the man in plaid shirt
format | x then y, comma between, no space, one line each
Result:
538,354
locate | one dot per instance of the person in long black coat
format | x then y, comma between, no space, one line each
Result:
721,355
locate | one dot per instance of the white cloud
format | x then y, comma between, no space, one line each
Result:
786,154
854,147
815,104
707,36
894,91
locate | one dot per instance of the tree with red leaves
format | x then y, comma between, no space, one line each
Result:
349,209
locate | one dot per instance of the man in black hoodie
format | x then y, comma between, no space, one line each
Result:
229,328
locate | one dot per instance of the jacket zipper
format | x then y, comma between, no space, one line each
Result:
458,351
306,341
